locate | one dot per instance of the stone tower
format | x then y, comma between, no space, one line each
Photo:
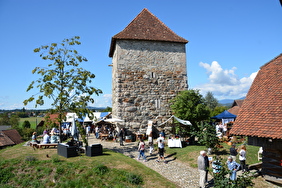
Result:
149,69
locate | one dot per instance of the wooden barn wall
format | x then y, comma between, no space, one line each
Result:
272,162
272,155
265,142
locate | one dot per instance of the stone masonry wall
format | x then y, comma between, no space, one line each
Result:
146,76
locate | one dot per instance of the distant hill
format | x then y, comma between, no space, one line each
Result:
228,102
96,108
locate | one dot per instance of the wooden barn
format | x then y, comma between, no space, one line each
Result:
260,118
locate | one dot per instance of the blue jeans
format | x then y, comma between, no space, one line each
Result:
233,175
142,153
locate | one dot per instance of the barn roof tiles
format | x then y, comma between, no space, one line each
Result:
146,26
236,106
261,112
10,137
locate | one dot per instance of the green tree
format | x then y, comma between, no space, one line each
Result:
108,109
14,121
190,105
217,110
207,135
5,119
222,180
63,80
22,114
211,101
26,124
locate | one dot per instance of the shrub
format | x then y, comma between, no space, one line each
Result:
26,124
134,179
222,180
100,169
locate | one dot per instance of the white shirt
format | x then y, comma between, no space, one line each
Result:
242,155
46,139
160,142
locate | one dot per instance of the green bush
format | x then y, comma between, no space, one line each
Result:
222,180
100,169
134,179
26,124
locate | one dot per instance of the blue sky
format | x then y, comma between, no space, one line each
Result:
228,40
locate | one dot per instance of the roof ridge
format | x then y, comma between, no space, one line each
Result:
271,60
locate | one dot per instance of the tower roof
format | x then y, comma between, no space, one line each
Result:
146,26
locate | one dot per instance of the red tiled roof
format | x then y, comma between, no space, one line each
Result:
146,26
14,135
238,102
261,112
234,110
236,106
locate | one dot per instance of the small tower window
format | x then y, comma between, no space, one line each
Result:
158,103
153,75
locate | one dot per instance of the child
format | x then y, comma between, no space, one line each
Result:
141,150
161,146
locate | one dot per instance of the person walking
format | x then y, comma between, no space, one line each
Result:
97,132
203,168
242,158
151,144
233,167
141,149
161,146
121,136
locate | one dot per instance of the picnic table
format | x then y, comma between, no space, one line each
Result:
104,136
40,146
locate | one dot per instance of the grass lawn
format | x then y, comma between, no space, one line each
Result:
32,121
18,169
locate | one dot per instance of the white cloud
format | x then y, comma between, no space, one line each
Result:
102,101
225,84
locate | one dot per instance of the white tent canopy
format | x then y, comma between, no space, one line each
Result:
97,117
184,122
114,120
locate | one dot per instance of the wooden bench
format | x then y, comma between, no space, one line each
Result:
33,145
47,145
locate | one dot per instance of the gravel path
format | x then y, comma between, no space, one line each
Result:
175,171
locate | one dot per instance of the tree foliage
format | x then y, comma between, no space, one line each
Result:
217,110
222,180
108,109
207,135
4,119
26,124
211,101
63,80
190,105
